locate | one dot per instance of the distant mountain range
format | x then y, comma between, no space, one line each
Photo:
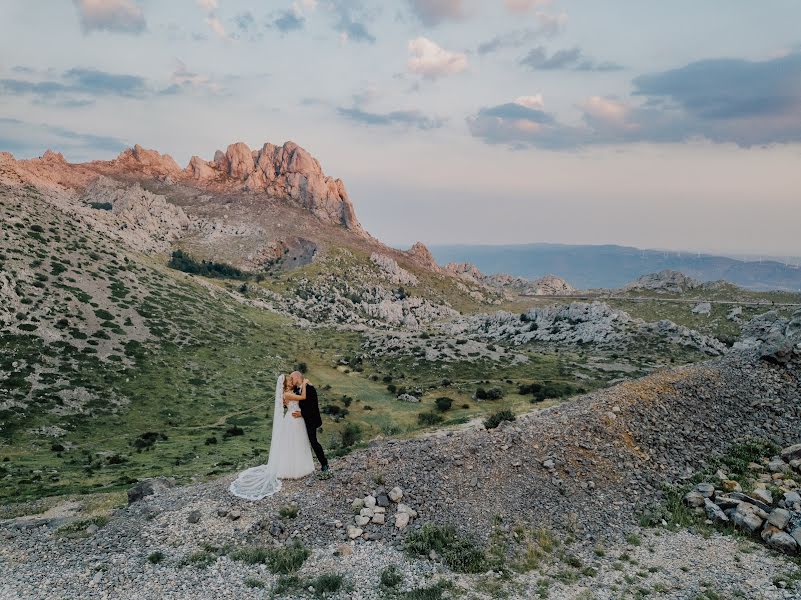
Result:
611,266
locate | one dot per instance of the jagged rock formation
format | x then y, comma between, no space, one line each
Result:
422,255
392,270
667,281
286,172
579,323
550,285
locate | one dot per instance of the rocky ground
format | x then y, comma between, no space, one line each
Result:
584,472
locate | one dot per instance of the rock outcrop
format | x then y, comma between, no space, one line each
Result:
667,282
579,323
392,270
420,253
773,337
550,285
286,171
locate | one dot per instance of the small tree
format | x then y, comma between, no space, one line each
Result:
443,403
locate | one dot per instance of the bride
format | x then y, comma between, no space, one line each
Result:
290,450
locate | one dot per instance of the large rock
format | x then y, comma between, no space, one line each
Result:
779,540
714,512
149,487
792,453
667,281
744,516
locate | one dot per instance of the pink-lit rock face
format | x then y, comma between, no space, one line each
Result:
286,172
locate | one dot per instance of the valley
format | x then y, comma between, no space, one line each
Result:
147,311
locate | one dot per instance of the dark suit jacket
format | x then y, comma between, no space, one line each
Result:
310,408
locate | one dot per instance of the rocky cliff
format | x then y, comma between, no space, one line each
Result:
286,172
550,285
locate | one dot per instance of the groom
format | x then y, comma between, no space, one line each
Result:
310,411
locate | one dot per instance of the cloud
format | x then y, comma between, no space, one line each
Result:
413,119
549,26
288,20
350,17
570,58
244,21
77,87
747,103
184,80
208,5
433,12
217,27
26,140
524,6
110,15
432,61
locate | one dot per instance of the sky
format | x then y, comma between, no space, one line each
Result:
655,124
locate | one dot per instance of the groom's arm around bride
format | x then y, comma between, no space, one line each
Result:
310,411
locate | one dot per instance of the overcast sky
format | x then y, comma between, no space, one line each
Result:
642,122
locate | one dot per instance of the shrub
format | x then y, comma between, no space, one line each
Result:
302,367
443,403
252,582
351,434
494,420
155,557
147,440
490,394
543,391
428,418
460,553
327,583
181,261
233,431
391,577
285,559
288,511
210,440
101,205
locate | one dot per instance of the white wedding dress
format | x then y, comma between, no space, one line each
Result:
290,454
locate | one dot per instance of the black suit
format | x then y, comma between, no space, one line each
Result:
310,411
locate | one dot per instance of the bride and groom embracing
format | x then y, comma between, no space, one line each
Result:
294,436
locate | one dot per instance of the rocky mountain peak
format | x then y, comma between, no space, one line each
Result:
420,252
286,171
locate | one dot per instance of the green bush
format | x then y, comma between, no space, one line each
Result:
155,557
351,434
490,394
429,418
327,583
285,559
494,420
460,553
443,403
543,391
181,261
391,577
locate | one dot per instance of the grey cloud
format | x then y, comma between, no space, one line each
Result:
570,58
433,12
122,16
244,21
350,19
729,88
31,139
512,39
288,21
748,103
404,118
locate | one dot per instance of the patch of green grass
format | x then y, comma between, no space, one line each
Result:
283,559
78,528
391,577
327,583
155,557
431,592
460,553
288,511
254,583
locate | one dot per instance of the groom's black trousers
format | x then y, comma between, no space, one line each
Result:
316,446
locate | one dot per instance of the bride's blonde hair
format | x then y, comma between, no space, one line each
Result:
287,385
